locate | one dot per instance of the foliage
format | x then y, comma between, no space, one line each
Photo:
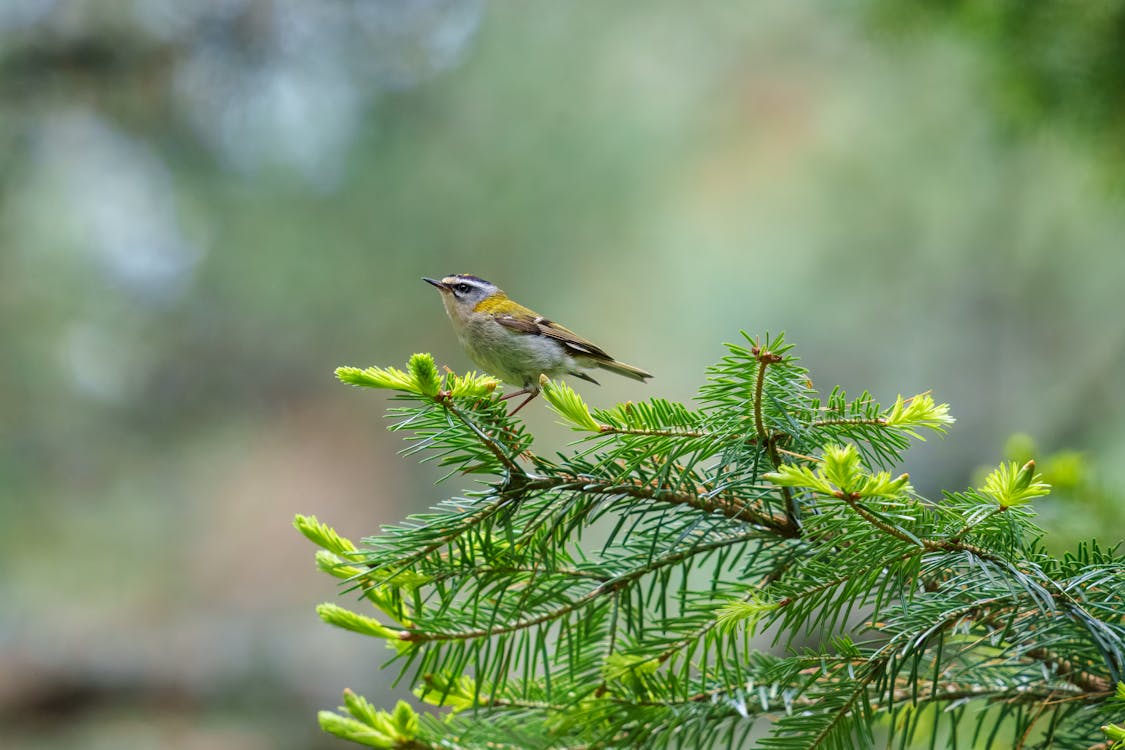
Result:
700,577
1047,61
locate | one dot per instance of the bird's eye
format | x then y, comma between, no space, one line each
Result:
461,288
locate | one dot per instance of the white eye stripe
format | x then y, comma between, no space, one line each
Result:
465,287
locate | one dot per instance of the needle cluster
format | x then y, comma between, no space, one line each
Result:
745,571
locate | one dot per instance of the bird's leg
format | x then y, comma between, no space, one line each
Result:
513,394
524,403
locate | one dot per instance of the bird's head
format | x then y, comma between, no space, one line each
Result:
462,293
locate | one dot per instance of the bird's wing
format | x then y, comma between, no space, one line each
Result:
531,323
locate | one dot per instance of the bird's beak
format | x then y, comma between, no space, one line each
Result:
435,282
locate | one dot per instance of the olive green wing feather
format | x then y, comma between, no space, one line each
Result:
519,318
529,322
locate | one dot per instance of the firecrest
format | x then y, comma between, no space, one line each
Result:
515,344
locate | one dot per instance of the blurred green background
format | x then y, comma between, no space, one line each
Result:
205,207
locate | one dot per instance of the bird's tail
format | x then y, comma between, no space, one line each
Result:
623,369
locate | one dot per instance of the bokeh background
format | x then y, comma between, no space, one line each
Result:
205,207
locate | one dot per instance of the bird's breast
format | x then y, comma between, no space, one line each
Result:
514,357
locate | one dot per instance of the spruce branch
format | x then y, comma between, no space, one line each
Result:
608,597
734,508
765,359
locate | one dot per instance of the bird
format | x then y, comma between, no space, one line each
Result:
515,344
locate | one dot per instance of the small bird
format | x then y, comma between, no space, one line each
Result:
515,344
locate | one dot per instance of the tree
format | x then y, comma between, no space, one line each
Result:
702,577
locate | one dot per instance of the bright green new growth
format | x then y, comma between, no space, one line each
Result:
334,614
368,726
420,379
323,535
841,473
567,404
1012,485
745,572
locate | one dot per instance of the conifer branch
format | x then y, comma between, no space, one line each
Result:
765,359
607,598
494,447
608,587
404,563
733,508
855,421
606,429
1093,685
